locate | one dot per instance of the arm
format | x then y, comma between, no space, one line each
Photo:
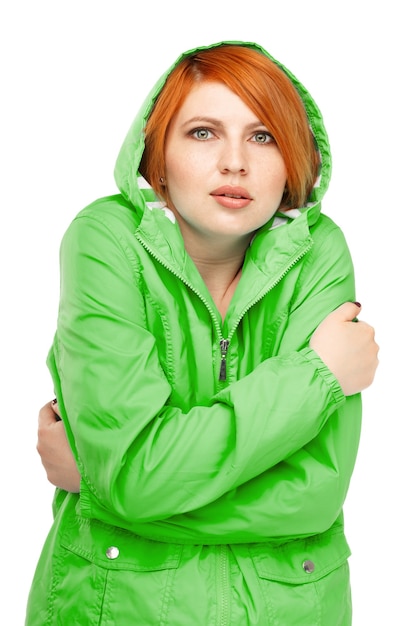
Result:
153,461
54,450
303,494
300,496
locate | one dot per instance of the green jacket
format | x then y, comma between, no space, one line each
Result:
206,499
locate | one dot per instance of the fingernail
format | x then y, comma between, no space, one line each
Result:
54,401
358,304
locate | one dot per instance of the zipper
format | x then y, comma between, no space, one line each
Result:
225,343
182,279
224,346
223,587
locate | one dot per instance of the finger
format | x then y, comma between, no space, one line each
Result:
46,415
55,408
348,311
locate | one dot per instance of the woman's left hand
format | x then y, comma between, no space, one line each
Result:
55,452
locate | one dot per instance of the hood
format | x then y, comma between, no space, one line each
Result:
138,192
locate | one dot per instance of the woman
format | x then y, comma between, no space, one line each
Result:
206,368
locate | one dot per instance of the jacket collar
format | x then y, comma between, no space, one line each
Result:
273,250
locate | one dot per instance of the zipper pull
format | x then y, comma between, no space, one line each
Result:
224,345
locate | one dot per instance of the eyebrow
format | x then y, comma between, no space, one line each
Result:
215,122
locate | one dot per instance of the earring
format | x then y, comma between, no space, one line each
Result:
162,180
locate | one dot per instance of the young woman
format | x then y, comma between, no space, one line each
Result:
208,366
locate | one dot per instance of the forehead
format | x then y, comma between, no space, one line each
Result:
214,100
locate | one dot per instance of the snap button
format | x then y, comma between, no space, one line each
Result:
308,567
112,552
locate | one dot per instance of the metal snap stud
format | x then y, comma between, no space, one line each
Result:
308,567
112,552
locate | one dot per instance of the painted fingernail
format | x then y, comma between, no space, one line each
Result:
54,401
358,304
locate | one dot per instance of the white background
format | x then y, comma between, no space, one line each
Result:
73,75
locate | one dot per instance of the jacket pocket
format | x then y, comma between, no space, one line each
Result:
306,581
117,549
303,560
108,576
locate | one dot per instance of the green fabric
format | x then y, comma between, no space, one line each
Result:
215,493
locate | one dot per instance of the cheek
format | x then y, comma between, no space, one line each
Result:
278,179
183,172
280,169
273,169
273,182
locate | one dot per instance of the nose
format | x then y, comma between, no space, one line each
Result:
233,158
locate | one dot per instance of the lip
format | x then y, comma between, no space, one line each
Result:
231,197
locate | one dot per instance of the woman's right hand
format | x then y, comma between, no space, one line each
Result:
347,347
54,450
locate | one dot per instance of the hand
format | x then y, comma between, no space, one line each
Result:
347,348
55,452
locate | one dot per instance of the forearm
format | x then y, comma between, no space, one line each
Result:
180,462
300,496
142,458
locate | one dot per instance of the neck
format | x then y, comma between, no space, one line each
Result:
221,276
219,261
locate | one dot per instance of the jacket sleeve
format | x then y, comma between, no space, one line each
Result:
140,458
304,493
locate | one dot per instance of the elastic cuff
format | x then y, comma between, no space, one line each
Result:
85,502
328,376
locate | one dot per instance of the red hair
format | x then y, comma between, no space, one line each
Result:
264,88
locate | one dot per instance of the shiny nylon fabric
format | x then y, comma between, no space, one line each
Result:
213,493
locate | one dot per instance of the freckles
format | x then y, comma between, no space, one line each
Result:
195,161
190,169
181,173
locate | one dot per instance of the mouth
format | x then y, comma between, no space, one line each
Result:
229,191
230,197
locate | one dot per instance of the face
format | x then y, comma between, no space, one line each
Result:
224,172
